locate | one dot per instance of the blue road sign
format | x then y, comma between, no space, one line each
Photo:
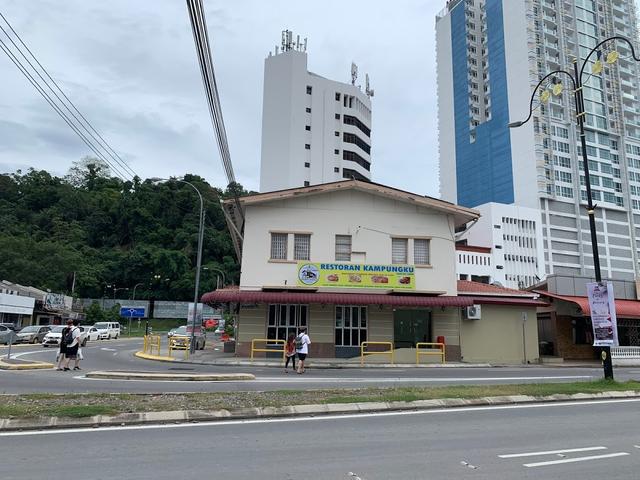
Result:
132,312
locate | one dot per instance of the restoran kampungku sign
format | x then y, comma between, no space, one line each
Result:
356,275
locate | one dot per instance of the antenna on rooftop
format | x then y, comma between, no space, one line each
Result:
354,73
367,89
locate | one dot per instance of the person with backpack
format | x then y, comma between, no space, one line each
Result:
302,348
290,352
62,353
72,339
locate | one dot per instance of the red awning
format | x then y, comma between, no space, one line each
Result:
250,296
624,308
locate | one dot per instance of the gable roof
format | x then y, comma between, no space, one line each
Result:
462,215
466,287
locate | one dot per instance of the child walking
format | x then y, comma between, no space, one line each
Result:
290,352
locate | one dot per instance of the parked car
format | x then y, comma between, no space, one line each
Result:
32,334
107,330
54,336
7,335
182,336
89,333
10,326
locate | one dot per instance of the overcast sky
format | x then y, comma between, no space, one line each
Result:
131,69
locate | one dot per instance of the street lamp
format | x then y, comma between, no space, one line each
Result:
117,289
134,290
578,96
224,280
199,256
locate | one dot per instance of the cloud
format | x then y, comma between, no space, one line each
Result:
131,68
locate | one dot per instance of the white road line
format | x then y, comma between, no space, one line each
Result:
222,423
108,349
551,452
573,460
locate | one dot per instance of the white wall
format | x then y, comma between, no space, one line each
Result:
446,120
284,118
370,219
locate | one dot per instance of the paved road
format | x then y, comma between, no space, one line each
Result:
118,355
589,441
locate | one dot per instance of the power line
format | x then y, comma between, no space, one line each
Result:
57,109
95,144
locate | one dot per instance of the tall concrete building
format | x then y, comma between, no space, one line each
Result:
314,130
491,54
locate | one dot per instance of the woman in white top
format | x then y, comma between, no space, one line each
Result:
302,347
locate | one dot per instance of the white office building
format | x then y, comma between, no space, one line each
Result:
314,130
491,54
514,235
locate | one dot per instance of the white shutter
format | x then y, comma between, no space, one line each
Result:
279,246
421,252
399,250
301,246
343,248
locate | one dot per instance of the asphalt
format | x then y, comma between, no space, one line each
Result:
585,440
118,355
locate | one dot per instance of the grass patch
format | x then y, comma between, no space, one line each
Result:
85,405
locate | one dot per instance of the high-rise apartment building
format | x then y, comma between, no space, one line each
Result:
491,54
314,130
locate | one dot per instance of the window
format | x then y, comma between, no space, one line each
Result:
337,134
351,326
301,246
306,183
336,169
337,97
421,251
337,151
343,248
307,128
309,89
399,250
337,116
354,157
351,138
307,146
307,164
285,320
308,110
279,246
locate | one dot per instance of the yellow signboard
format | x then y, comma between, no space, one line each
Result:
356,275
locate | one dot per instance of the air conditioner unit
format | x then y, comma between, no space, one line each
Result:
472,312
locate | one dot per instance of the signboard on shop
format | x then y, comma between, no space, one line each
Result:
603,314
356,275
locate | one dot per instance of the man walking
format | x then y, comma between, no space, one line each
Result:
62,353
73,343
302,348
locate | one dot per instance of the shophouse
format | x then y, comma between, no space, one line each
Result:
356,261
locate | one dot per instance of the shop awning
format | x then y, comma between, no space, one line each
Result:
250,296
624,308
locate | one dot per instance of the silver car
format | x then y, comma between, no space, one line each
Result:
7,335
32,334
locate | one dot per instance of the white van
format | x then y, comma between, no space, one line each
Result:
107,330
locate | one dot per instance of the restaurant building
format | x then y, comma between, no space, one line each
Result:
355,261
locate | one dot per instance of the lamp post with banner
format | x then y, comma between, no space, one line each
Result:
549,85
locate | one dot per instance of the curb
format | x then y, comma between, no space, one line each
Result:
25,366
191,377
315,366
184,416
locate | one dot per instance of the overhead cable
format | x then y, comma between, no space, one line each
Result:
74,118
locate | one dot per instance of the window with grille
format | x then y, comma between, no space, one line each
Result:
285,320
399,250
421,252
351,326
301,246
279,246
343,248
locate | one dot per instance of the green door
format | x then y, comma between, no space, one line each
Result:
411,327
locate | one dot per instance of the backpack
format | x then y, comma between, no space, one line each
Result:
68,338
299,342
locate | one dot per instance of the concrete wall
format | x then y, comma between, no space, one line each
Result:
446,323
498,336
371,220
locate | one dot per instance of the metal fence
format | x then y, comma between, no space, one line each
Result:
161,308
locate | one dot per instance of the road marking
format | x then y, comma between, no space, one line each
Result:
108,349
551,452
574,460
223,423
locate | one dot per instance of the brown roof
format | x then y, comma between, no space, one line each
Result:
466,287
462,215
472,248
624,308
